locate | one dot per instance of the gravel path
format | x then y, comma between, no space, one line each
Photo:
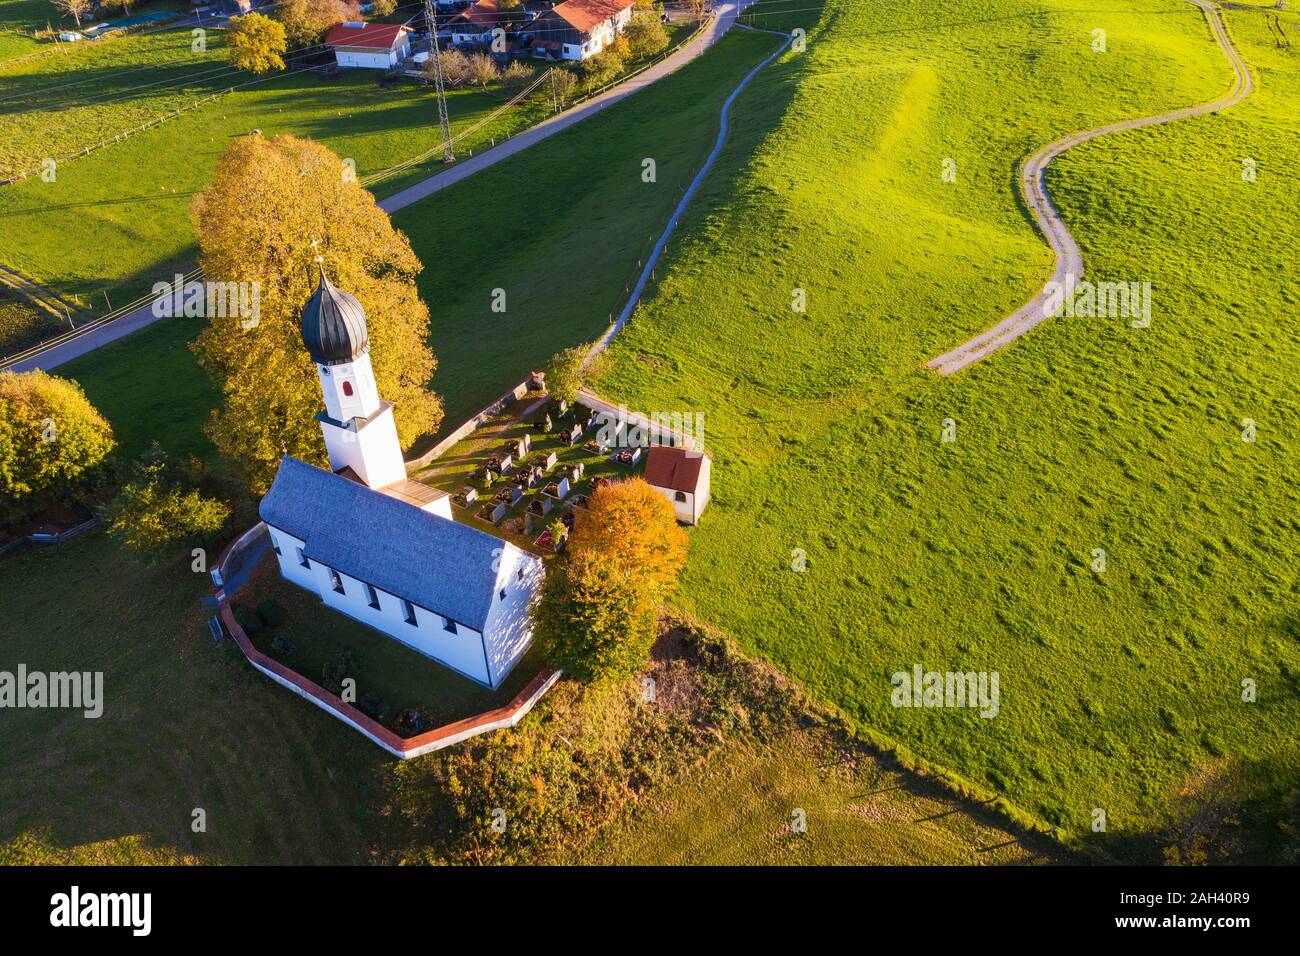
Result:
1069,260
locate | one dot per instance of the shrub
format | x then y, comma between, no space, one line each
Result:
372,705
271,612
342,667
157,512
248,620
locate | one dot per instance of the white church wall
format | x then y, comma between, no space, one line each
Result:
509,628
462,651
373,452
290,566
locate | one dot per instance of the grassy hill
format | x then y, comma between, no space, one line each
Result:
975,555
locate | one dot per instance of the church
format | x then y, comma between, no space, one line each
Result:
379,546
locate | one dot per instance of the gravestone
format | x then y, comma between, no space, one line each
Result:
499,513
515,495
551,459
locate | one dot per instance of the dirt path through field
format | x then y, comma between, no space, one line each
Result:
1069,260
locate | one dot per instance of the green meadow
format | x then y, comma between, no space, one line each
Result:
18,19
978,554
562,238
116,220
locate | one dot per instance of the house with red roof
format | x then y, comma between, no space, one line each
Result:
578,29
369,46
682,477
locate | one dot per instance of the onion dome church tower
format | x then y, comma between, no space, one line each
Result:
359,430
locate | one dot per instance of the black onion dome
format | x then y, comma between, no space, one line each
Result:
334,325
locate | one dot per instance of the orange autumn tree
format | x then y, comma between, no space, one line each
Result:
632,526
273,206
598,610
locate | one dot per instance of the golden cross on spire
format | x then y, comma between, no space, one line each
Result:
315,243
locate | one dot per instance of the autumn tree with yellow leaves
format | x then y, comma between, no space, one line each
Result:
599,605
274,207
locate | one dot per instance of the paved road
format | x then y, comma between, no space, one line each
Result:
1069,259
725,19
139,318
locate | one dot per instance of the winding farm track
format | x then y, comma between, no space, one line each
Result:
1069,259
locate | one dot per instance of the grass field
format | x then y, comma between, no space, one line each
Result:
739,811
975,555
18,18
562,276
118,218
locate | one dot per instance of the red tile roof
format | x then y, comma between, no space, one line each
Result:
673,468
582,15
482,14
371,36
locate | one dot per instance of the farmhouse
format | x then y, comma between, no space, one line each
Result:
474,24
369,46
578,29
682,477
379,547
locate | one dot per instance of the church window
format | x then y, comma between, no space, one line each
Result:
503,594
408,612
336,582
372,596
449,625
302,559
681,496
347,387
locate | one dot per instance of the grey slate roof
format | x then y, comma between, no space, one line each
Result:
442,566
334,325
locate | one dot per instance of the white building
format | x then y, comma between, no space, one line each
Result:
578,29
369,46
380,547
682,477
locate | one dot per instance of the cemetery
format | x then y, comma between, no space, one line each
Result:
528,468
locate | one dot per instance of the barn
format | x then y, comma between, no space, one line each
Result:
369,46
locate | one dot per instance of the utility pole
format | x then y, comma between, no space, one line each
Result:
436,55
555,99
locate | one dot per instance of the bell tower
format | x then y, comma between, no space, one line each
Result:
359,430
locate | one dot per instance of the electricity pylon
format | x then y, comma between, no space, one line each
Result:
443,124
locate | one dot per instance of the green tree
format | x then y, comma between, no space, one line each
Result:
646,34
601,68
566,374
271,208
156,512
594,621
51,441
305,21
256,43
565,84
